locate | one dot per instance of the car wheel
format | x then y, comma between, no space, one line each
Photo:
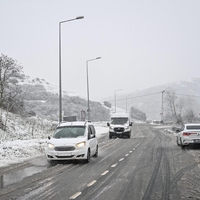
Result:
110,136
51,162
88,157
129,135
96,153
182,146
177,141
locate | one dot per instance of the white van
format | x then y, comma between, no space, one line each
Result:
120,125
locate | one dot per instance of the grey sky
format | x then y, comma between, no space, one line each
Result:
142,43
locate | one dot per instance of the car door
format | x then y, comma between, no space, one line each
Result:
92,139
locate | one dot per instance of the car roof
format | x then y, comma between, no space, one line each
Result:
192,124
121,115
74,123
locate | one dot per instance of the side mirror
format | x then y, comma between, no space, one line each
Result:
92,136
131,124
49,137
108,124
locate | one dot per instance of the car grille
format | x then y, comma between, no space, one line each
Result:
64,156
119,129
68,148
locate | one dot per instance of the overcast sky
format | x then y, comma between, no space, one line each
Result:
142,43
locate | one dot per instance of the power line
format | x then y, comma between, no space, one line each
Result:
138,96
187,95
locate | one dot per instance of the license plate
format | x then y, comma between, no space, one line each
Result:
63,154
119,132
197,140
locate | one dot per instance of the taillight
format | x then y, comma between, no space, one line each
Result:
187,134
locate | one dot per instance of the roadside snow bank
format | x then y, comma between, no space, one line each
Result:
20,150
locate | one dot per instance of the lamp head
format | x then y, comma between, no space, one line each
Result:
80,17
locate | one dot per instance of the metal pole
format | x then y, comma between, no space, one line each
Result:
60,85
127,102
88,98
162,114
60,73
115,98
88,92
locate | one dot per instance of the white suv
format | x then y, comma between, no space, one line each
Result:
72,141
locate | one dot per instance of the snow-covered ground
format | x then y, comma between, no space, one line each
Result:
27,138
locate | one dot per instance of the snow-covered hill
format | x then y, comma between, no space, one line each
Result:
27,80
42,98
149,100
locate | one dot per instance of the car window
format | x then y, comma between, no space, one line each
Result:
69,132
182,128
89,132
93,130
192,127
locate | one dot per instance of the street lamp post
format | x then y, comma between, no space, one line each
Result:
60,82
115,97
162,114
88,85
127,102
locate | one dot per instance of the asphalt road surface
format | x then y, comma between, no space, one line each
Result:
147,166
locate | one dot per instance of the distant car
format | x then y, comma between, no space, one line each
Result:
189,134
72,141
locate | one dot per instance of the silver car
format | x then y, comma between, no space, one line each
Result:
189,134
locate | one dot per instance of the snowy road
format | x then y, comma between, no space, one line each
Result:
149,165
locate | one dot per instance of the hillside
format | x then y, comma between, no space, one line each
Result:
149,100
42,99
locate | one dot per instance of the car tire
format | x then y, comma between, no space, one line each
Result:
51,162
88,157
129,135
96,153
181,144
110,136
177,141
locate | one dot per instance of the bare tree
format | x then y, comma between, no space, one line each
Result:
191,110
182,108
8,69
174,104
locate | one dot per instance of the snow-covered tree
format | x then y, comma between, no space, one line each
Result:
8,69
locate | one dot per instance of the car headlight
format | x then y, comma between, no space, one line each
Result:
51,146
111,128
126,127
81,144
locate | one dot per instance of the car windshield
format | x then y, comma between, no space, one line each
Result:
193,127
119,120
69,132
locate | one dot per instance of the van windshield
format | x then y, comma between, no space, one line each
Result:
119,120
69,132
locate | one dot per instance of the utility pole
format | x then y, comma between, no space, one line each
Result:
162,110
